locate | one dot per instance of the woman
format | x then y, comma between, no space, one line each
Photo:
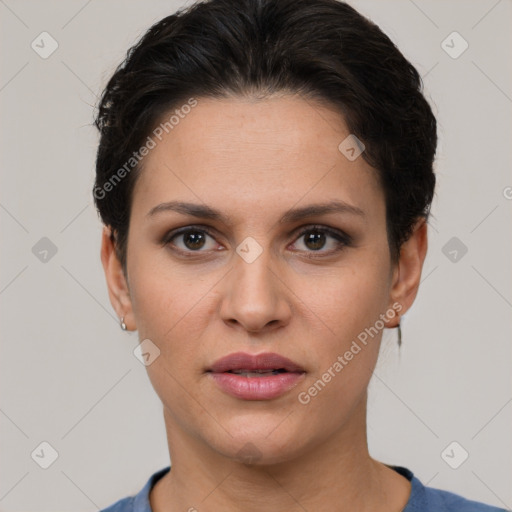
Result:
264,176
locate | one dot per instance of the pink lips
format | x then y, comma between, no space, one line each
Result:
286,375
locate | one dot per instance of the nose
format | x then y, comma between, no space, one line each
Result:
255,296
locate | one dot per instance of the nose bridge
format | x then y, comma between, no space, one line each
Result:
253,269
252,297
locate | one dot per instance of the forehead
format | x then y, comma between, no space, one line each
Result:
260,155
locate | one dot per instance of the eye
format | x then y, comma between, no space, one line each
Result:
315,238
192,239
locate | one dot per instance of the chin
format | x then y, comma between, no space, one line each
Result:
260,446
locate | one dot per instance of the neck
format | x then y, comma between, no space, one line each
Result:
337,474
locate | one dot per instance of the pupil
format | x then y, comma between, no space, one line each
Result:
317,239
196,238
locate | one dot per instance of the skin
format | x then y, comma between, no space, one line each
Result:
253,160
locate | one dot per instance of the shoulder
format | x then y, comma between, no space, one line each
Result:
139,502
444,500
430,499
123,505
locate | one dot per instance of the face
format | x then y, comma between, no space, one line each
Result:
250,280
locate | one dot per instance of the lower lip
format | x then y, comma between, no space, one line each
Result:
256,388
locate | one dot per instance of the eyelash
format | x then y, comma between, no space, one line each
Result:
343,240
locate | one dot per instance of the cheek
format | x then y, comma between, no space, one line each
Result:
347,350
347,306
159,296
156,308
171,309
347,300
171,314
165,311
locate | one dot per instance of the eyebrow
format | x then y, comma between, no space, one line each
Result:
292,215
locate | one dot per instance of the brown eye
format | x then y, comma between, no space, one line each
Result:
314,240
192,240
317,237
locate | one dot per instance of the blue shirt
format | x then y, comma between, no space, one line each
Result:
422,499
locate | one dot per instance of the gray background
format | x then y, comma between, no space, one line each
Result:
68,374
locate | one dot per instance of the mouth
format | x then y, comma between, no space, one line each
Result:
256,377
258,365
257,373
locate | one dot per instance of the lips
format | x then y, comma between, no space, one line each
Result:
264,376
241,362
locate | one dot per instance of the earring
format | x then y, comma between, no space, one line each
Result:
123,325
399,334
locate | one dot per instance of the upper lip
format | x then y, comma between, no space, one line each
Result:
264,361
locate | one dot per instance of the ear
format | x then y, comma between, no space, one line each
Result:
118,289
407,272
